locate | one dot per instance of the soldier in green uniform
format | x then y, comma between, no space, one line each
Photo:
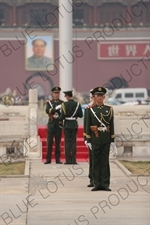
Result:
54,127
99,136
71,110
91,184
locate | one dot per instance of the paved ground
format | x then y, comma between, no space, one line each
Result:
57,195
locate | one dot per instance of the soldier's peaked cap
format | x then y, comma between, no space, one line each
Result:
56,89
67,92
99,90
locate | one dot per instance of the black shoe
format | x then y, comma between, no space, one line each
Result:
90,185
74,163
66,163
105,189
47,162
58,162
95,189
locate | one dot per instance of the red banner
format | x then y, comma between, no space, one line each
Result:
123,50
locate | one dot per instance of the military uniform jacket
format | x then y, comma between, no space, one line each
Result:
68,108
52,112
106,115
84,119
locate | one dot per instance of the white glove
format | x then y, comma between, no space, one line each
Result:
86,144
89,146
112,144
58,107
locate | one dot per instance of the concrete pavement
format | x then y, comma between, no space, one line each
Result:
57,195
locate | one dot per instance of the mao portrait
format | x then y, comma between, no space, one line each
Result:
39,54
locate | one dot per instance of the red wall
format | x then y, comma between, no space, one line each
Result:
88,70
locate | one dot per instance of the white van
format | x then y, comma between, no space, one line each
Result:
129,95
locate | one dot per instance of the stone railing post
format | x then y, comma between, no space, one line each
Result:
33,142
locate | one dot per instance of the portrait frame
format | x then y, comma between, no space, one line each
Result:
46,62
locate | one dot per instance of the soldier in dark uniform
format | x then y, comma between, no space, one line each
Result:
54,127
91,184
99,136
71,110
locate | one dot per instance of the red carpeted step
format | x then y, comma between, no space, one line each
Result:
80,142
80,131
79,149
82,151
42,132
